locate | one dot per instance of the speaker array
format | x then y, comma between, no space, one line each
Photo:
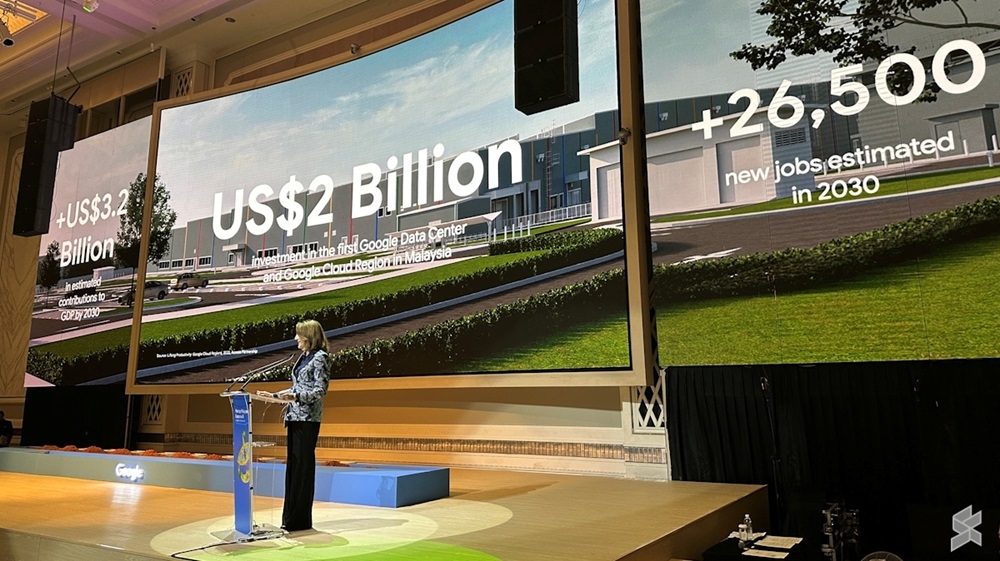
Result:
51,129
546,55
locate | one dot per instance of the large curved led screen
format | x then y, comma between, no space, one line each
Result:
403,202
823,180
82,318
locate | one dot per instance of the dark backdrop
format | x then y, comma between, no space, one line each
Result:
908,444
78,415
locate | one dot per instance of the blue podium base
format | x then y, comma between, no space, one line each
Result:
361,484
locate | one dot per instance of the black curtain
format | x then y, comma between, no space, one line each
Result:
75,415
908,444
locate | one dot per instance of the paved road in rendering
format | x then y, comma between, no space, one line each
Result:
803,227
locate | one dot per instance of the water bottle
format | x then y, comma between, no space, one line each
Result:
749,524
743,536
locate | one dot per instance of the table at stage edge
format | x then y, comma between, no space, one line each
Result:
729,550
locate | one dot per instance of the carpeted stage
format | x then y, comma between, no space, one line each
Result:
488,516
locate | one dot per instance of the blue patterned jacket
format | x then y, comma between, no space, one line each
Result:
309,386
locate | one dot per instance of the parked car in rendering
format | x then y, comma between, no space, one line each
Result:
185,280
152,289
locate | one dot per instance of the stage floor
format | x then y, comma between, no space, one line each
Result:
490,515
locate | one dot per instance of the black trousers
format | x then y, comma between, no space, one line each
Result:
300,475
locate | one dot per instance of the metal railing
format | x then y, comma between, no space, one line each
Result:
547,217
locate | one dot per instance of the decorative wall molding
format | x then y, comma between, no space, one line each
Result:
152,410
19,257
649,412
336,47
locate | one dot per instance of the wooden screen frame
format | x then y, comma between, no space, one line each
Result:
635,216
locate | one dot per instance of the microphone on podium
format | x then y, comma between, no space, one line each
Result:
259,372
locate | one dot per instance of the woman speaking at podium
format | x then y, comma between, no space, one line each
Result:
310,378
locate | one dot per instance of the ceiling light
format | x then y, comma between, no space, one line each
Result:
16,15
8,7
5,37
90,5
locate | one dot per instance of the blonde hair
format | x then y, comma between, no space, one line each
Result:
312,332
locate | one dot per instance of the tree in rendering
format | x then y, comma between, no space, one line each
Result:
130,231
854,32
48,267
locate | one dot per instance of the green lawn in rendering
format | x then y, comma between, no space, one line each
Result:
600,344
942,306
946,305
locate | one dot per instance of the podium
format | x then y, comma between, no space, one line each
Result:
244,529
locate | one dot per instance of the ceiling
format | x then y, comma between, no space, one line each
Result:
122,30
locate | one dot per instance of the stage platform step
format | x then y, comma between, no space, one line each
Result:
359,484
491,515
